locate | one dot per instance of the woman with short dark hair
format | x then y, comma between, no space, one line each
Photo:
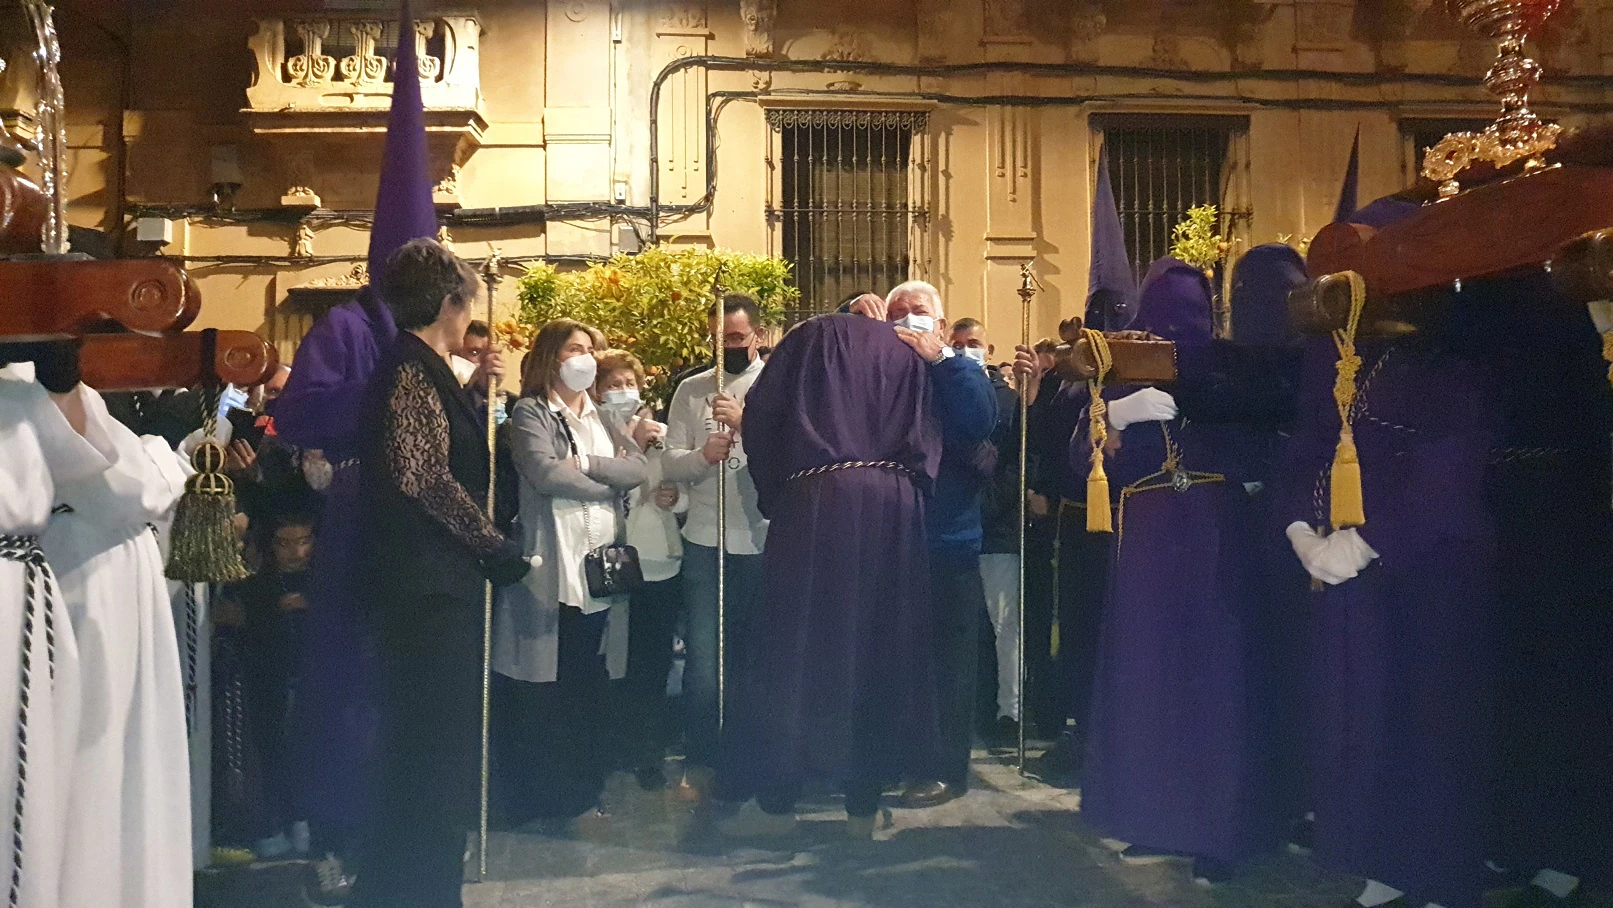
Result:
432,547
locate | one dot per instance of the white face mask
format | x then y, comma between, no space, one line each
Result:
978,354
578,372
922,324
622,400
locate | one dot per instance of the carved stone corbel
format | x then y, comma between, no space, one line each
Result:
1087,24
759,17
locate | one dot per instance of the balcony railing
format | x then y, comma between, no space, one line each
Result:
335,62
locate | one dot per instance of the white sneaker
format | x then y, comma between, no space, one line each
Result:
301,839
752,822
272,848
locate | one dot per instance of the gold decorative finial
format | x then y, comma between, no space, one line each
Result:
1518,134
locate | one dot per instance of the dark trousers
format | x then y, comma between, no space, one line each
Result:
1041,698
431,757
862,798
652,623
550,737
959,599
1083,574
744,585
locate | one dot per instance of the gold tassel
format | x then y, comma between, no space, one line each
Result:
1346,507
202,547
1099,517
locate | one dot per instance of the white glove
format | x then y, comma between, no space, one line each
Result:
1332,559
317,470
1147,405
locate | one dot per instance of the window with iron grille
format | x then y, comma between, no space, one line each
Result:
846,204
1420,135
1160,166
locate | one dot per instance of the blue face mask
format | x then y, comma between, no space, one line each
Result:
922,324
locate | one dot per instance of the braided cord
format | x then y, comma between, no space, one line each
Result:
38,592
1099,411
850,465
1349,365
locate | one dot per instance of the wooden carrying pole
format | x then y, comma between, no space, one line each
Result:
492,278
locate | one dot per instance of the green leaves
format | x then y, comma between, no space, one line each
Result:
654,303
1195,240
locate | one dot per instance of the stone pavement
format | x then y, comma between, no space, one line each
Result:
1010,843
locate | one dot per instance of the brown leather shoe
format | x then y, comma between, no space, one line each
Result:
920,795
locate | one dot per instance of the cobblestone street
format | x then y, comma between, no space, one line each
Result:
1010,842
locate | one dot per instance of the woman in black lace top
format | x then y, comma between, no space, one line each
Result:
430,549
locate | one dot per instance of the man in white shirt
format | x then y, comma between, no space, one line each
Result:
706,430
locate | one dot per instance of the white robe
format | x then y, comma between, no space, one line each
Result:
37,448
128,829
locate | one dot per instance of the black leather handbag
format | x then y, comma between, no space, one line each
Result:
611,569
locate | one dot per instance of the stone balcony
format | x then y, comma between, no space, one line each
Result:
322,86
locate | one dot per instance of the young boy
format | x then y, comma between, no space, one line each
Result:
270,608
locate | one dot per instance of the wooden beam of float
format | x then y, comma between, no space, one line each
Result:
134,362
55,298
1134,360
1523,222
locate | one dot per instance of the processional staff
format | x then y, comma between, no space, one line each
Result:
492,278
722,513
1027,293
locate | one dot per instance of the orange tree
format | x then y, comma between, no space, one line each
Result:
654,303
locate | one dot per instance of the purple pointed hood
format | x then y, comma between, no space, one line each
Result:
403,206
1112,293
1350,191
1175,303
1261,283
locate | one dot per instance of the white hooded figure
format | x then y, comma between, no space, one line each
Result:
129,808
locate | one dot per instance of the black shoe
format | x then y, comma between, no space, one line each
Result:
1210,872
1535,897
1302,837
921,795
1394,903
651,776
1062,762
1005,733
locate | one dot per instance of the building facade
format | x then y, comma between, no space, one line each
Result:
865,140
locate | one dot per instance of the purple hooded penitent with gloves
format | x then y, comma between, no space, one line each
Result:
1404,653
336,718
1180,754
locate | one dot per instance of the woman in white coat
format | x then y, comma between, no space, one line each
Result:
549,632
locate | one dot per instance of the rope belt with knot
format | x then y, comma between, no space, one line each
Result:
39,593
852,465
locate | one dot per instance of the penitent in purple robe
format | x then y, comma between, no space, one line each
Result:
1403,655
1550,488
1180,756
839,682
336,713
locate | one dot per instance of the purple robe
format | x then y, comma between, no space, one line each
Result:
1550,488
839,682
1179,758
336,717
1403,655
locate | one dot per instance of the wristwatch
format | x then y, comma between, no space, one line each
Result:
946,354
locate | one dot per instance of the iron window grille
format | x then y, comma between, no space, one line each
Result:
847,207
1160,166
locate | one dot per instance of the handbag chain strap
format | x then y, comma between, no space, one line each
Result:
587,506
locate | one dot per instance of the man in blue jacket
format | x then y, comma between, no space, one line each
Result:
966,407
